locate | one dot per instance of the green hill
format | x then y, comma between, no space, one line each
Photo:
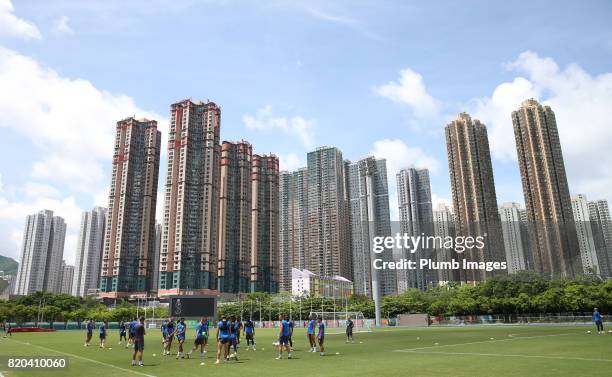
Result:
8,265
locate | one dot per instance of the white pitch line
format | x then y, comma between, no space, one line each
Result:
482,341
83,358
510,355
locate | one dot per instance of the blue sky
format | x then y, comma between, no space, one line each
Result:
370,77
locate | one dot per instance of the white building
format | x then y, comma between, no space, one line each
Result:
89,251
306,283
42,253
586,242
510,216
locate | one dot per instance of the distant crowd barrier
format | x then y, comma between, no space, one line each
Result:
547,318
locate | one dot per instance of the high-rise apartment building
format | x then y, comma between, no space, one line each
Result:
67,278
89,252
130,227
444,226
416,219
156,254
586,242
601,226
293,224
473,190
368,195
328,237
553,239
265,224
42,251
513,236
190,225
235,206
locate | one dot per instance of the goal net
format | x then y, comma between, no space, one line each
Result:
335,322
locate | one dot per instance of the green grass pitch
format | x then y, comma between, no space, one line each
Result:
462,351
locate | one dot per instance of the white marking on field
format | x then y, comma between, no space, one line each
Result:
84,358
509,355
482,341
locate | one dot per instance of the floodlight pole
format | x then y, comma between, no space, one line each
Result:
375,271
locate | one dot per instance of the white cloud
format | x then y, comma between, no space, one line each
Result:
12,26
399,155
69,119
298,126
61,25
582,103
410,90
290,161
327,16
70,123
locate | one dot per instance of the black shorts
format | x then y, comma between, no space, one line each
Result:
224,340
249,336
131,336
138,345
321,339
283,340
349,331
200,340
122,334
102,336
89,334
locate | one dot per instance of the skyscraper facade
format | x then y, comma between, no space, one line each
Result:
328,248
473,191
190,225
601,225
586,242
265,224
235,206
553,239
368,195
67,278
156,254
513,237
444,226
293,224
88,258
130,227
42,251
416,218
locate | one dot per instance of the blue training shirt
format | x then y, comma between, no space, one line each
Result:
180,330
596,316
248,327
311,326
285,328
224,329
321,330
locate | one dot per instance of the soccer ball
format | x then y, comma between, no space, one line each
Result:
154,355
492,338
337,353
110,348
589,331
435,344
202,363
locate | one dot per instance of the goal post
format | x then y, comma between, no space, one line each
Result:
335,322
